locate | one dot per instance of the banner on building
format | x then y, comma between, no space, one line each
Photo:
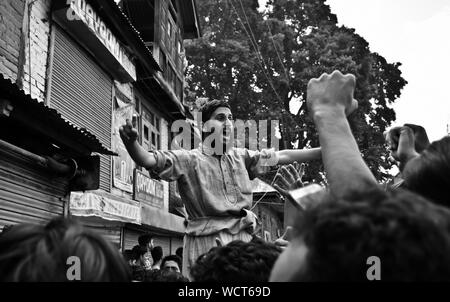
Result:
148,190
94,204
123,164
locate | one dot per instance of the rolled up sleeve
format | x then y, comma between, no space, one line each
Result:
170,165
260,162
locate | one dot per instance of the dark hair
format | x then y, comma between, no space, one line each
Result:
208,109
36,253
145,239
408,234
157,253
165,276
138,251
429,174
172,258
179,252
237,261
128,255
421,141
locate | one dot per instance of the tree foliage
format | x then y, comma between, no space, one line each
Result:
262,60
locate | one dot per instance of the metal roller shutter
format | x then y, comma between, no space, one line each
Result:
82,92
131,239
175,243
164,242
28,194
109,230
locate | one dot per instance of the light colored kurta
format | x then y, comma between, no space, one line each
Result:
216,191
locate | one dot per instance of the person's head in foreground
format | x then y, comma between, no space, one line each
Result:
237,261
335,240
428,173
60,251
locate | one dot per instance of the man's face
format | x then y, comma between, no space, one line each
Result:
290,263
392,138
171,266
222,120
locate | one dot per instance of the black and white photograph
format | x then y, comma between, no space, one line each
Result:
224,142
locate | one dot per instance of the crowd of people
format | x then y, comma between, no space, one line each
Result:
405,224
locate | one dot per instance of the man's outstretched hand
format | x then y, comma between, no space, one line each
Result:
289,178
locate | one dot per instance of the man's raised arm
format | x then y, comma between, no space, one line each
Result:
286,157
330,100
140,156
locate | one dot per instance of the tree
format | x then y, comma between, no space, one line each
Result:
262,61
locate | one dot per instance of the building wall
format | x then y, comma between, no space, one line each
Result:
164,146
39,32
11,18
15,48
127,90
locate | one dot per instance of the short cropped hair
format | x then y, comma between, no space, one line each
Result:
145,239
138,251
208,108
36,253
237,261
409,234
179,252
157,253
172,258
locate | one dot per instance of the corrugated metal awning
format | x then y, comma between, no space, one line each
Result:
11,92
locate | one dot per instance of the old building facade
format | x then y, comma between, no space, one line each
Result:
98,63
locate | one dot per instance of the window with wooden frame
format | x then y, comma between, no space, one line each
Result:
151,134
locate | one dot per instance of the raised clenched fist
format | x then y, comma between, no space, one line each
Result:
128,133
331,92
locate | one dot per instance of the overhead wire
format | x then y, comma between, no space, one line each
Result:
256,43
278,54
258,54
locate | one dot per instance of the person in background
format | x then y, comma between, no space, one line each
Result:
405,143
146,242
171,263
179,252
425,167
157,254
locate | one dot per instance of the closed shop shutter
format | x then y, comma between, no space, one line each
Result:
176,243
109,230
82,92
164,242
131,239
28,193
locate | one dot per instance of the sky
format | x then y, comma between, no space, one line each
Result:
415,33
